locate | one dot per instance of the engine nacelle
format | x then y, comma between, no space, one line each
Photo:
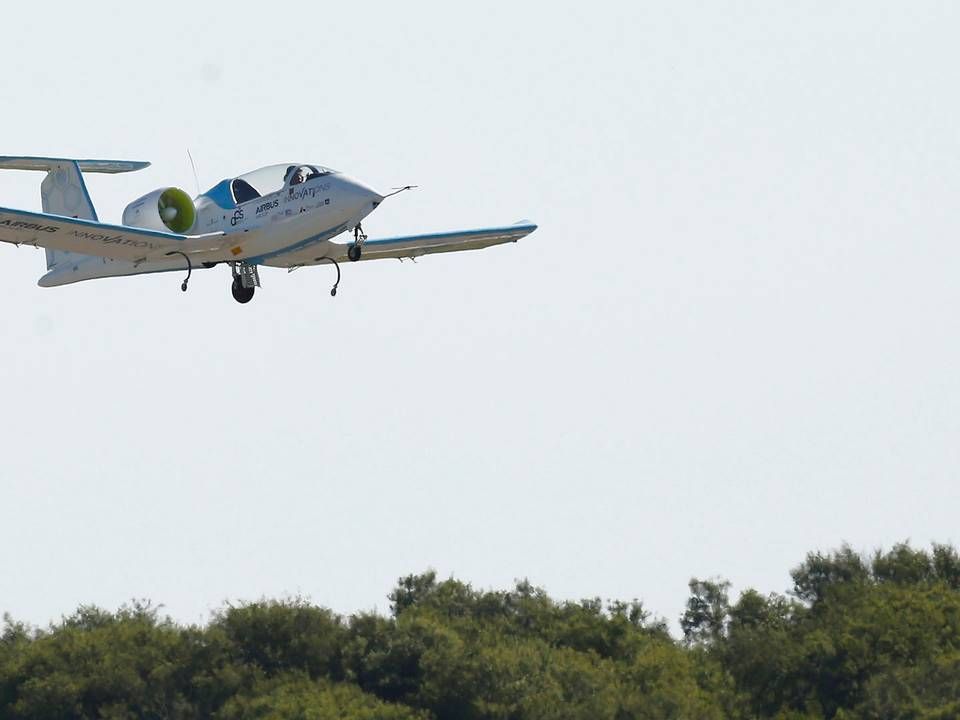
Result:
167,209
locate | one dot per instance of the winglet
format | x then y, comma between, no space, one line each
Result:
10,162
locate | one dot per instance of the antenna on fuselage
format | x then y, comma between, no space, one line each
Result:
196,179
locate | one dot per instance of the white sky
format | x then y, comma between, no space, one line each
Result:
733,339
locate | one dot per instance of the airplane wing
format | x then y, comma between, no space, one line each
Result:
413,246
88,237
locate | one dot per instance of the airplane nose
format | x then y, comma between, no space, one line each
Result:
364,193
374,197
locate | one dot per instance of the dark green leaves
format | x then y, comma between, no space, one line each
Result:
858,637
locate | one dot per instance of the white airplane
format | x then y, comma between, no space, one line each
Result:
284,215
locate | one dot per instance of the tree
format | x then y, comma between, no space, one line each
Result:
858,639
297,696
279,636
902,565
819,574
705,618
946,565
412,589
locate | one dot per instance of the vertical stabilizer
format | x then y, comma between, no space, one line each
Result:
63,192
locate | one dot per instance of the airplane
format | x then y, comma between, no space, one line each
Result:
289,215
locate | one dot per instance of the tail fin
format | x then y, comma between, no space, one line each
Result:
63,191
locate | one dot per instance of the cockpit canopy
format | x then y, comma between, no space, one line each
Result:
252,185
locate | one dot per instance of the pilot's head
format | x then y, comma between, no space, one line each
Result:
299,175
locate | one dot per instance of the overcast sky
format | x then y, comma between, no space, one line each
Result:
732,340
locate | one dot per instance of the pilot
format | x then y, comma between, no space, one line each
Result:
299,175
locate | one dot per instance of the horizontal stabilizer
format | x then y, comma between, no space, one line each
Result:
9,162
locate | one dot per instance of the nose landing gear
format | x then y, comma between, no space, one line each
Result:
356,250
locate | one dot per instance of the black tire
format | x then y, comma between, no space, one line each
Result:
354,252
241,294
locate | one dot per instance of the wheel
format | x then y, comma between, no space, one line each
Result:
354,252
240,293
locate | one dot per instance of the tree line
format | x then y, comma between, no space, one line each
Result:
857,637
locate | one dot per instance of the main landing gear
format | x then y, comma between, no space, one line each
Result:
246,280
240,293
356,250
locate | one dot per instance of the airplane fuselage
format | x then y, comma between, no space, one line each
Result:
284,228
290,220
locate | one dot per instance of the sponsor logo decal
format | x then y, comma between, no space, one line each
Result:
114,240
299,193
22,225
104,238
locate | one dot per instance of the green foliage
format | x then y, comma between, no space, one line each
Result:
865,641
705,618
946,565
903,565
821,574
859,638
291,635
297,696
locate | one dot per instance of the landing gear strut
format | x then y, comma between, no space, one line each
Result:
356,250
246,280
